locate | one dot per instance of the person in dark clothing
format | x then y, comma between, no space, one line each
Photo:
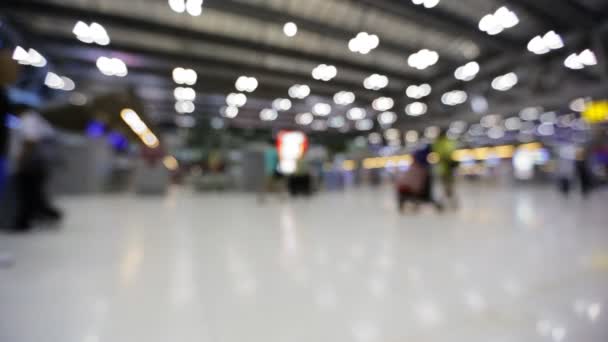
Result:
30,179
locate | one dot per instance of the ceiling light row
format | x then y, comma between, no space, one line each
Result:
418,91
54,81
498,21
184,76
246,84
94,33
454,97
426,3
375,82
423,59
30,57
299,91
544,44
505,82
363,43
193,7
324,72
344,98
581,60
112,66
467,72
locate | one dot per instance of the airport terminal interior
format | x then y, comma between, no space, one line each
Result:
320,170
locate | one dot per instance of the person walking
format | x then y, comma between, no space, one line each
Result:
444,147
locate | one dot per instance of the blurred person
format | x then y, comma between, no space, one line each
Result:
33,168
415,186
300,182
272,176
9,73
566,168
582,171
444,147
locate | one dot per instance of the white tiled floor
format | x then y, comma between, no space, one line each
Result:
510,265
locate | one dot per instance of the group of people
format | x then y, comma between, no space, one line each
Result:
28,182
415,186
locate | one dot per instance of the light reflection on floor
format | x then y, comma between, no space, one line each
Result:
510,265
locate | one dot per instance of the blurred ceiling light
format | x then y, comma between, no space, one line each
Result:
418,91
336,122
321,109
236,99
416,109
479,104
184,76
304,119
94,33
375,82
548,117
229,112
68,84
374,138
178,6
30,57
499,21
184,107
454,97
546,129
426,3
530,113
290,29
268,114
356,113
364,125
458,127
246,84
578,105
496,133
543,44
281,104
184,94
423,59
467,72
513,123
193,7
54,81
299,91
344,98
133,120
505,82
411,137
387,118
319,125
432,132
363,43
324,72
383,104
581,60
112,66
392,134
490,120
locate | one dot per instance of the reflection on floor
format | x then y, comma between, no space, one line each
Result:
511,265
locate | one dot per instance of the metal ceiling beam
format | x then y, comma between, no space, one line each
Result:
559,15
442,21
176,32
214,65
267,14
